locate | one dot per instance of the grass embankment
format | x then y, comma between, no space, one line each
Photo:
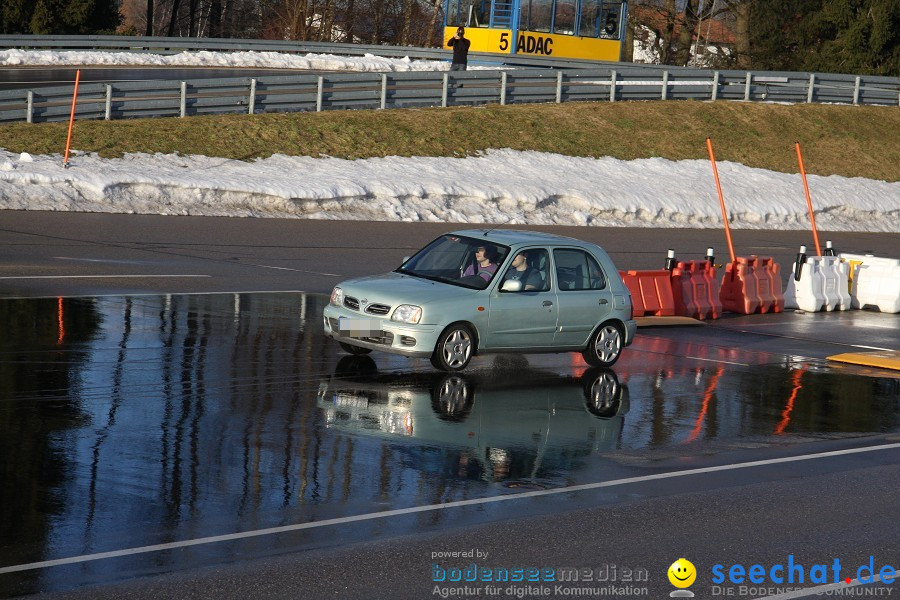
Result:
842,140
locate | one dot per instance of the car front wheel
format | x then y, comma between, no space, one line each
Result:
605,346
454,348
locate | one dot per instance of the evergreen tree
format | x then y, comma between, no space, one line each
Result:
836,36
15,15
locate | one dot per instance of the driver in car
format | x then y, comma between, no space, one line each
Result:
483,266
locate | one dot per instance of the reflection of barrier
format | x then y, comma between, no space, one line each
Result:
822,285
873,281
692,283
654,289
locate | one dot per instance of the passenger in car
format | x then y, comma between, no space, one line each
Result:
484,263
520,271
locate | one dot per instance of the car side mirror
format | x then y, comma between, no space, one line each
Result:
511,285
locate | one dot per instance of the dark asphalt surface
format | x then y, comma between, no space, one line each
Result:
143,416
209,254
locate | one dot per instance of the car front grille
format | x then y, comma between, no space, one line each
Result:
378,309
351,302
385,339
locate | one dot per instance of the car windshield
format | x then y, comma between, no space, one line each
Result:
457,260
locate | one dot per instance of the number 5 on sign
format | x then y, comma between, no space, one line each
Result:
504,41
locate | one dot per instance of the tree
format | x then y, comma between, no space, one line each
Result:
844,36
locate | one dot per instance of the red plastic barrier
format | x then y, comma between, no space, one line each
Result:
773,272
634,287
712,288
691,291
763,284
739,287
655,291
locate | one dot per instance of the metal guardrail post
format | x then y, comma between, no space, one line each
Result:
559,77
665,84
251,104
715,87
107,108
183,105
747,86
383,90
320,85
29,109
444,90
811,89
856,91
612,85
502,88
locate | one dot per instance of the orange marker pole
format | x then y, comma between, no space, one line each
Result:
72,118
712,159
812,216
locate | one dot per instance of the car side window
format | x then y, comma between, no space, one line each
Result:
578,270
532,269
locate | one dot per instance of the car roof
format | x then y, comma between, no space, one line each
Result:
510,237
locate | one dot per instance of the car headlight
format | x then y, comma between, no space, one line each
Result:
337,296
407,313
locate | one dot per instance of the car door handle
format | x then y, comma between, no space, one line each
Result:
547,303
604,301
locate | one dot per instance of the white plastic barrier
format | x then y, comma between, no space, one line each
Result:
823,285
876,281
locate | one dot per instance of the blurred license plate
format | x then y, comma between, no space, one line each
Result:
359,327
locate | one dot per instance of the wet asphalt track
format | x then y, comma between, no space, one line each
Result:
139,419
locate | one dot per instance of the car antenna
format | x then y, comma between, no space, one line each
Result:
503,223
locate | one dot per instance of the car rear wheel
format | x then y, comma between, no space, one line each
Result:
605,346
454,348
353,349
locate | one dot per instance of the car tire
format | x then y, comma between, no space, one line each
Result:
605,346
601,391
354,349
452,397
454,349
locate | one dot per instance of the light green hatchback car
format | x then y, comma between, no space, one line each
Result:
480,291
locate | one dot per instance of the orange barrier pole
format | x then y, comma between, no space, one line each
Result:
812,217
712,159
72,118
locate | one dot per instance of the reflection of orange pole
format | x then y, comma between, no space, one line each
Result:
712,159
812,217
786,413
60,320
707,397
72,118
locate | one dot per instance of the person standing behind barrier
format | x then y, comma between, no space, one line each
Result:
460,45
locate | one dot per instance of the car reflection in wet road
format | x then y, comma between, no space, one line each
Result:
132,421
512,424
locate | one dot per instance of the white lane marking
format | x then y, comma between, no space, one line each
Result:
820,589
432,507
98,276
724,362
295,270
873,348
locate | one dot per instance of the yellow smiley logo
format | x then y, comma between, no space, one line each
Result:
682,573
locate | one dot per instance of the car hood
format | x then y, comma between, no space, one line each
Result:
397,288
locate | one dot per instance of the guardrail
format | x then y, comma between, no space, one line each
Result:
310,92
